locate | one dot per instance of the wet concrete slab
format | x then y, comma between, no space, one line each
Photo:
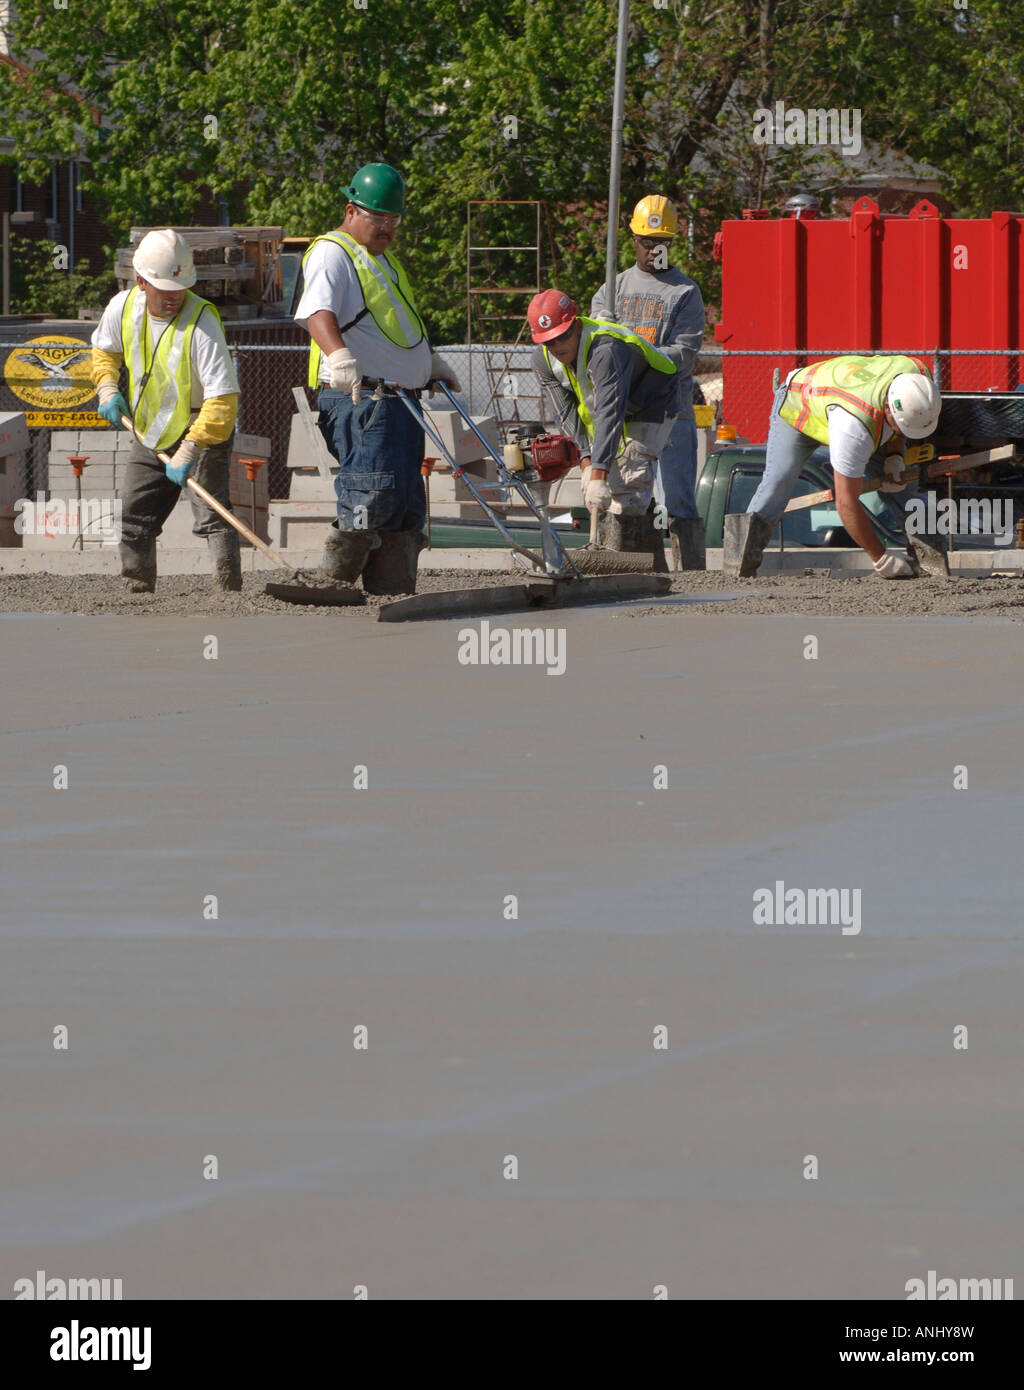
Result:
500,1031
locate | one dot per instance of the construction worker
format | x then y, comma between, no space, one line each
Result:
357,306
665,308
616,396
854,405
182,400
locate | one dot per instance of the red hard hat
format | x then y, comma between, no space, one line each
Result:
550,313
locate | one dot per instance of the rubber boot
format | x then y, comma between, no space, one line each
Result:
391,568
654,540
609,531
227,560
688,549
346,553
138,565
745,536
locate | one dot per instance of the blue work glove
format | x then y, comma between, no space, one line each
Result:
112,407
179,467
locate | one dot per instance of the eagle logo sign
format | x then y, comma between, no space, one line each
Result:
51,373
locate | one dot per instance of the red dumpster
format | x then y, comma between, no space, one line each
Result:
795,291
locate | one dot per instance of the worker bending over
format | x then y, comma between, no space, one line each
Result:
616,396
664,307
182,400
854,405
357,306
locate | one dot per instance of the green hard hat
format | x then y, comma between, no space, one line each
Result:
377,187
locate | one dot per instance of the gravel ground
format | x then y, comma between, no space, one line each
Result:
812,595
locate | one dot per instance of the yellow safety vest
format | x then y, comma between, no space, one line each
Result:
391,306
160,381
580,386
858,384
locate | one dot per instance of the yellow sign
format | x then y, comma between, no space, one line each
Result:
66,420
51,374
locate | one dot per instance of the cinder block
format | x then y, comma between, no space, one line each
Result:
251,446
300,525
458,438
301,451
96,459
64,441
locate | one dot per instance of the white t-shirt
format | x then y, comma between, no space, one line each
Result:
850,444
330,282
213,372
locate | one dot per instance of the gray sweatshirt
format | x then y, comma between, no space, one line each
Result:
666,310
624,388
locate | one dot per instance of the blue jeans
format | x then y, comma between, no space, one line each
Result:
379,447
677,468
788,451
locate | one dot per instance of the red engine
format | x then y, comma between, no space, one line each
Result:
553,456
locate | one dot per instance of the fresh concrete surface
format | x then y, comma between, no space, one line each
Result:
491,1037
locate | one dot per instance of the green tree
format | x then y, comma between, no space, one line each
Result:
272,104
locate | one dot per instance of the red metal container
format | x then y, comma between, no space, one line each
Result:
799,290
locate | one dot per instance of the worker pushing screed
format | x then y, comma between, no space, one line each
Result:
665,308
854,405
616,396
183,395
358,308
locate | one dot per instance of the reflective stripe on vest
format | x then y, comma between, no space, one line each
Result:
581,387
858,384
160,383
391,306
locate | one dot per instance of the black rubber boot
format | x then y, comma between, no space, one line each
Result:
745,536
138,565
654,540
227,560
391,568
345,553
688,549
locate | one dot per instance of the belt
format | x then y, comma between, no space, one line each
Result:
374,384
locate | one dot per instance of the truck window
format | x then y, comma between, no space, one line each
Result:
809,527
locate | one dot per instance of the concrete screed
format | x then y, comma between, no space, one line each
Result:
491,1036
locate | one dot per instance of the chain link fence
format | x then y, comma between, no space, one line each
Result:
498,380
745,381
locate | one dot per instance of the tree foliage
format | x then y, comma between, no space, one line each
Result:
272,104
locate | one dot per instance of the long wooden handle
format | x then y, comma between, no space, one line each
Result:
911,476
216,506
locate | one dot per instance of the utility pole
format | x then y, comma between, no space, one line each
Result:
615,179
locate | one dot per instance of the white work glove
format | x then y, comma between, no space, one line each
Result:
180,464
892,566
893,480
441,371
345,373
596,492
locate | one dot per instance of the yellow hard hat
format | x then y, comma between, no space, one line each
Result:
654,216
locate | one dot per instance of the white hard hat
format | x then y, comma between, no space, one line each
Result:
915,403
164,258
